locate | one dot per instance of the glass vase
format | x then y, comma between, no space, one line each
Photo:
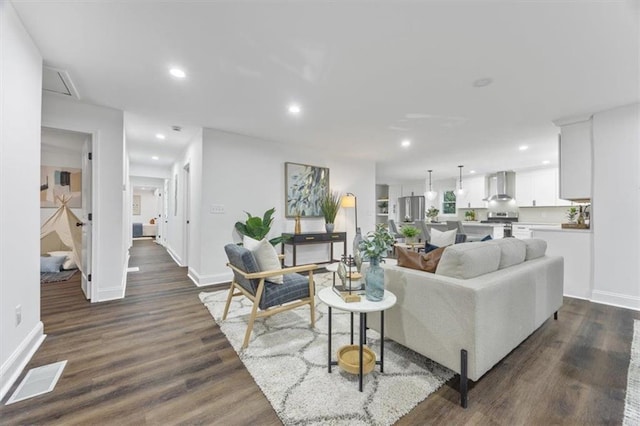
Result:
374,281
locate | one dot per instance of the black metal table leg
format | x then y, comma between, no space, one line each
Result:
351,314
329,339
362,337
382,341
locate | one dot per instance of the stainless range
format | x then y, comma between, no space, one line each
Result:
503,217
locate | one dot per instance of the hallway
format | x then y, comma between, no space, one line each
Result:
155,357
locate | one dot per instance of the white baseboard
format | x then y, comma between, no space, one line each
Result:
616,299
11,369
174,256
205,280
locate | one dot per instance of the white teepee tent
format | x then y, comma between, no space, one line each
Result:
60,230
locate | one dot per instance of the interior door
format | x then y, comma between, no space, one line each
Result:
87,216
165,213
187,205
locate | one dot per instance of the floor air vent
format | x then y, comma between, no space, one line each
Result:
38,381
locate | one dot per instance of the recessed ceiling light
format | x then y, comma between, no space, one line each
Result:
482,82
177,73
546,162
160,136
472,172
155,157
405,143
523,147
294,109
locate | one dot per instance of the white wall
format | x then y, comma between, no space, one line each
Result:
177,218
616,194
109,187
148,206
244,173
149,171
20,109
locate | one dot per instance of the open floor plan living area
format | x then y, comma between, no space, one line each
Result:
374,212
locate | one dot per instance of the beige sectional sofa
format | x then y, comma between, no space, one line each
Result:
484,299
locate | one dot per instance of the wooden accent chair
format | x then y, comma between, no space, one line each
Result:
269,297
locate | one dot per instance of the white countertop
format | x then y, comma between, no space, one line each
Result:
556,229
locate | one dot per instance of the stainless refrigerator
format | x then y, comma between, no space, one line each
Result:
411,208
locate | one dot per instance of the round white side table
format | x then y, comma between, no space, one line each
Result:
333,300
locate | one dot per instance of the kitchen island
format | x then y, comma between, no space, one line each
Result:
575,245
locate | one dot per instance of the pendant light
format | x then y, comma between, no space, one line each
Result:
430,194
460,192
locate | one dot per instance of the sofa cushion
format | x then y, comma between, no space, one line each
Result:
535,248
427,262
443,238
512,251
469,260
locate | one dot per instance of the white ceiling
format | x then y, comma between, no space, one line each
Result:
366,73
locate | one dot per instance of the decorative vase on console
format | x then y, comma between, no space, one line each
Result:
356,246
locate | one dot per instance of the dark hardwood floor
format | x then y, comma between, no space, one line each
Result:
156,357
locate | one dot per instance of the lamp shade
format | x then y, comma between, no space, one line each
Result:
348,200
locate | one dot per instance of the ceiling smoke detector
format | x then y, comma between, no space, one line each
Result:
176,128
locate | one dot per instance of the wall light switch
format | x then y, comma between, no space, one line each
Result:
216,209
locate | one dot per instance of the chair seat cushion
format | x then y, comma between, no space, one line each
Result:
294,287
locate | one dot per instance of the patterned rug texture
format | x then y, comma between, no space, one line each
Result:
632,402
52,277
288,360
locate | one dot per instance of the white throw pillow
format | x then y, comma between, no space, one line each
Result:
69,261
443,239
265,255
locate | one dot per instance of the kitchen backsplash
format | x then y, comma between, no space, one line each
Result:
528,214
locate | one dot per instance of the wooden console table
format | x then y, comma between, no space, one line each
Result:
295,240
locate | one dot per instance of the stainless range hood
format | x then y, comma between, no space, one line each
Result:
501,186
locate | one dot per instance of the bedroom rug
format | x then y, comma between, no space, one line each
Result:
632,401
288,361
52,277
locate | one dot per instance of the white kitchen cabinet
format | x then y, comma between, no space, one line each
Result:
474,194
575,161
538,188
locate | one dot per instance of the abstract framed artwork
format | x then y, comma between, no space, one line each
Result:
305,186
63,182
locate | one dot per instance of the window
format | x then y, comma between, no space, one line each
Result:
449,202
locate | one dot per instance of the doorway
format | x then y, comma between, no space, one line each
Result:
66,175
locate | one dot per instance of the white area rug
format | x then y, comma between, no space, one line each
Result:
288,361
632,402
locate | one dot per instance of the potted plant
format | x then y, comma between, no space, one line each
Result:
384,207
470,215
258,227
372,248
432,214
409,232
571,214
329,206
